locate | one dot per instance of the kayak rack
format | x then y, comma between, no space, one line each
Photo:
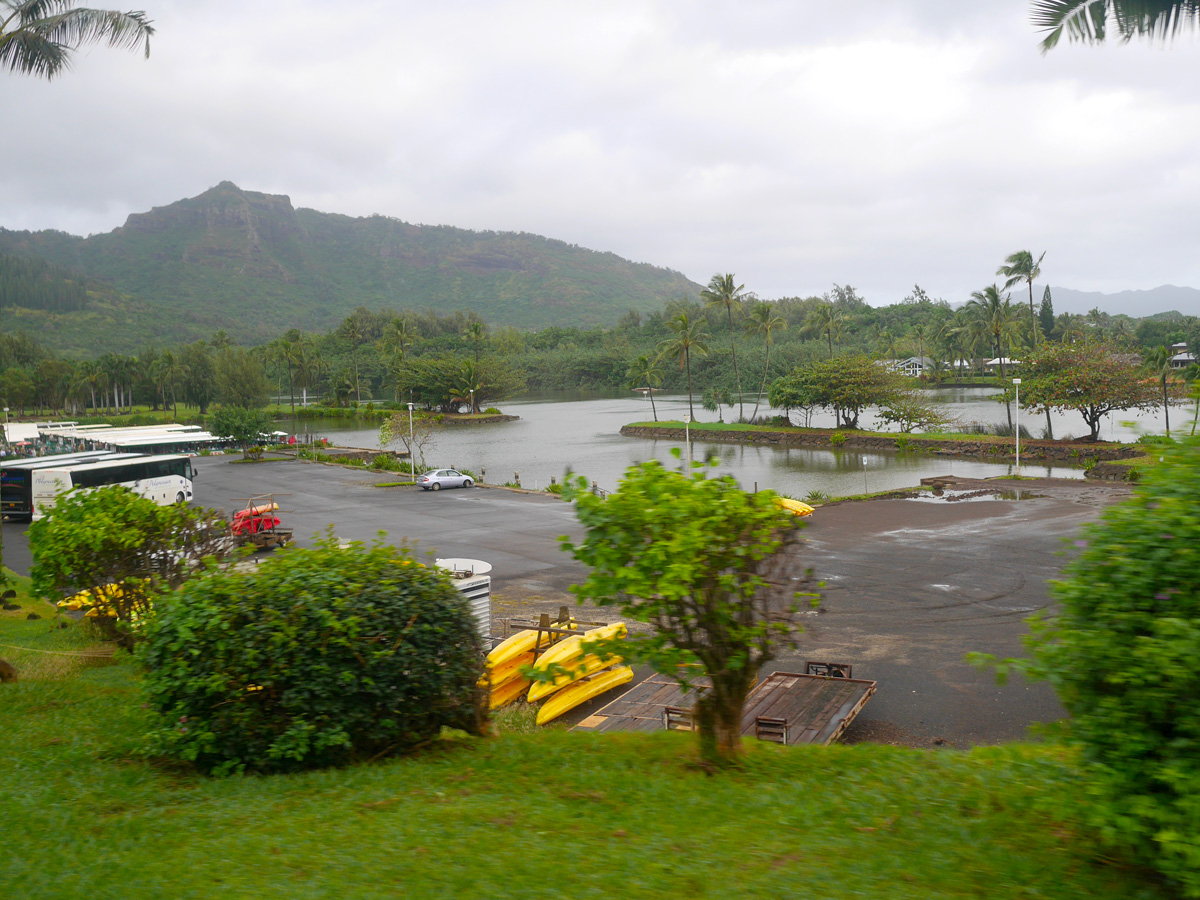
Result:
557,629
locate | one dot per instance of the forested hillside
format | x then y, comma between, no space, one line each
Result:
253,265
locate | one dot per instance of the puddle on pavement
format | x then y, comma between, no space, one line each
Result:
951,496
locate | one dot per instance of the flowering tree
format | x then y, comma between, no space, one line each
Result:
1092,377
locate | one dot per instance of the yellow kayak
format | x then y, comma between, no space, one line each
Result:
495,676
570,648
582,691
580,669
507,693
517,644
795,507
570,654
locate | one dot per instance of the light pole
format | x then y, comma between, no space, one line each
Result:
1017,385
472,409
6,425
412,460
687,440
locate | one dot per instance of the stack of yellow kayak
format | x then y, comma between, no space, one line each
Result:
585,677
504,666
583,690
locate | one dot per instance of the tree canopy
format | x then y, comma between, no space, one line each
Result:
1088,20
844,384
1093,378
704,563
39,37
1122,653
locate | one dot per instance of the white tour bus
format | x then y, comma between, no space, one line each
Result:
16,477
164,479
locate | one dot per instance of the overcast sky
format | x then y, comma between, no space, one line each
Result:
793,143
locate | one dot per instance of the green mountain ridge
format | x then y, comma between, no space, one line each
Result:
254,265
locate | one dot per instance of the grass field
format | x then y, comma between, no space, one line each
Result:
546,814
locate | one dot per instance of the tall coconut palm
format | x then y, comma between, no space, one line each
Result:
721,292
688,339
352,330
824,321
763,321
310,365
397,338
1087,20
476,333
287,353
1018,267
1157,361
645,371
996,314
39,37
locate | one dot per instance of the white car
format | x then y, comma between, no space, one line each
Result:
440,478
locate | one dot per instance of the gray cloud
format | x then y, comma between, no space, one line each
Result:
793,143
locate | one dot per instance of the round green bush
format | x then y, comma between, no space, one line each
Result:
315,657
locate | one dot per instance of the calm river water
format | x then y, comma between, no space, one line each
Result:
556,433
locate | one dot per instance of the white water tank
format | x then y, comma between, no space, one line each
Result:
472,580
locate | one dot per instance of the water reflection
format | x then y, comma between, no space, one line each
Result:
583,435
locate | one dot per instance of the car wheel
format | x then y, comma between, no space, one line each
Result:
468,483
437,485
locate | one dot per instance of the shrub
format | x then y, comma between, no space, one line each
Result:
121,549
315,657
1124,655
838,438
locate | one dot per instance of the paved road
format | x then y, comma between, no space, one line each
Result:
910,586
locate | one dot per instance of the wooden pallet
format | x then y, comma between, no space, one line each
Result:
786,707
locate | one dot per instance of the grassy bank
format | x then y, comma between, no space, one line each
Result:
549,813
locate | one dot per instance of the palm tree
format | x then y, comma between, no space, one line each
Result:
721,292
1087,20
1158,363
90,375
645,370
397,338
996,315
310,365
824,320
287,353
688,339
352,330
1018,267
38,37
476,333
762,320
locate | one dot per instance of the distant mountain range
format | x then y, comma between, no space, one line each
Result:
252,264
1137,304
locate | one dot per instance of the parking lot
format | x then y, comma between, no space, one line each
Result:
909,586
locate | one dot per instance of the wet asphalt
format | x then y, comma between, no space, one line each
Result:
909,586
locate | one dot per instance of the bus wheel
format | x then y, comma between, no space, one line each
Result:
179,498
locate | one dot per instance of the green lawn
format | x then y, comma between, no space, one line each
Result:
549,814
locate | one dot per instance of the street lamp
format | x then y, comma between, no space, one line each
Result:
6,424
412,461
1017,385
472,409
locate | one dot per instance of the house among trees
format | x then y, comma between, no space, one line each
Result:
913,367
1181,357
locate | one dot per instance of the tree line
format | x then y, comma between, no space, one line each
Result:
725,348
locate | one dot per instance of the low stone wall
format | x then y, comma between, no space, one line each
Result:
1065,453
